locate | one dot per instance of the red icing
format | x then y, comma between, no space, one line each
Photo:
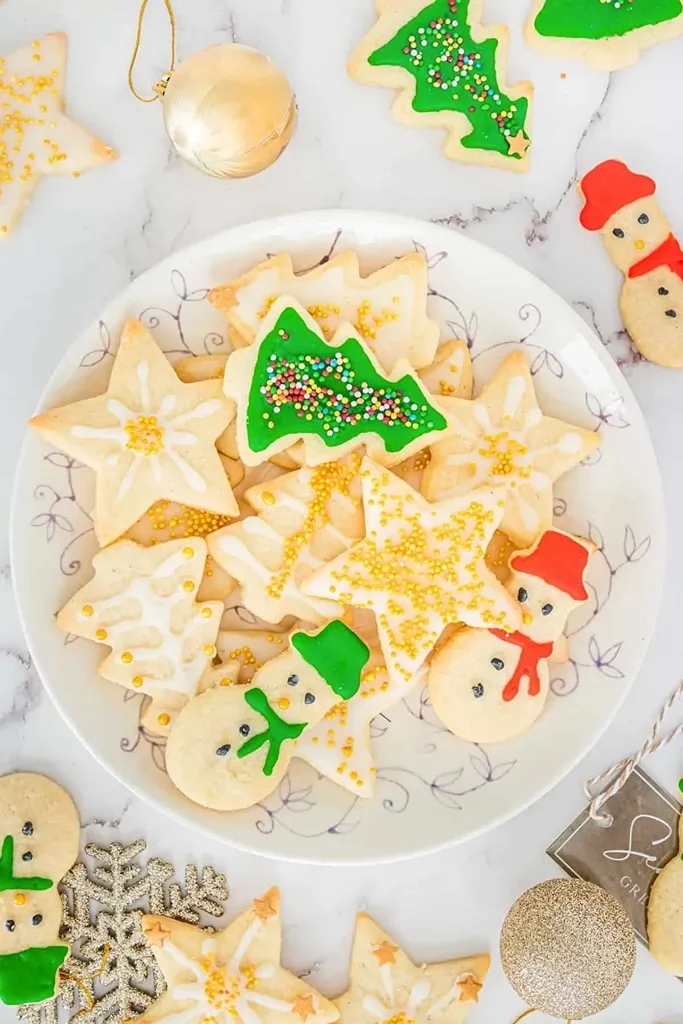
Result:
529,656
668,254
559,560
607,189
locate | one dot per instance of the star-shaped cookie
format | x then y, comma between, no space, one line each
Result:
503,439
386,985
148,437
36,137
231,976
419,568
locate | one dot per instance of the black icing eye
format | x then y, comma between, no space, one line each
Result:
224,750
498,664
643,219
244,730
27,828
546,609
618,233
36,919
27,856
672,313
10,925
522,595
478,690
663,291
309,698
292,680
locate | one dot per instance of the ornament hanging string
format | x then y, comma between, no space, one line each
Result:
618,775
80,980
160,87
527,1013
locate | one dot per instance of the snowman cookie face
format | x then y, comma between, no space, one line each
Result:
29,919
545,609
634,232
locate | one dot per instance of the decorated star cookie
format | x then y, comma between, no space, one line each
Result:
502,438
665,912
387,309
606,34
385,985
450,72
487,685
419,568
39,837
231,976
148,437
303,520
141,602
36,136
230,746
292,384
639,241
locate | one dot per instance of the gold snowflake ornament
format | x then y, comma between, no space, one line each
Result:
36,136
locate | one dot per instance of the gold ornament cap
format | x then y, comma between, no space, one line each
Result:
567,948
229,110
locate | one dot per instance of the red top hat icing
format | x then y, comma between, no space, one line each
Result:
607,189
559,560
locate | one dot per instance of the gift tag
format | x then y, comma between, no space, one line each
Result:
625,858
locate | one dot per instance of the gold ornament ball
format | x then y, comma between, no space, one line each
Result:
229,110
568,948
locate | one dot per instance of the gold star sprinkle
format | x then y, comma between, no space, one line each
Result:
469,989
385,953
517,144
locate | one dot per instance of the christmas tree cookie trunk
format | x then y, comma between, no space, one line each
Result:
605,34
450,73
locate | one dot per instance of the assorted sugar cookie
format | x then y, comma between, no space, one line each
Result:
488,685
449,71
36,136
665,913
639,241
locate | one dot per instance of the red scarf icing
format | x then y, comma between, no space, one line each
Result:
530,655
668,254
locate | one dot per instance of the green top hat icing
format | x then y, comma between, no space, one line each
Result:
30,976
337,654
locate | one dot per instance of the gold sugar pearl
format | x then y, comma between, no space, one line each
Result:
268,498
137,681
126,657
87,610
101,634
283,703
163,719
188,552
189,586
19,899
207,612
209,650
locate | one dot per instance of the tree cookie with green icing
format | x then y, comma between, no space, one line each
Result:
231,745
605,34
39,838
449,71
292,384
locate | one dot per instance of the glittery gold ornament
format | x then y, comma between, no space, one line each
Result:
568,948
228,110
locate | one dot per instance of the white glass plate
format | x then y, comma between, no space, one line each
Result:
432,789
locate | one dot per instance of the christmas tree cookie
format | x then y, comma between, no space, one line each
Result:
605,34
230,746
621,205
450,74
39,837
292,384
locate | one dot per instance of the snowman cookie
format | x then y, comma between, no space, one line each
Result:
665,913
639,241
39,836
487,685
230,746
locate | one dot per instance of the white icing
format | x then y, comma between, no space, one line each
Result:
382,1011
514,395
387,980
418,993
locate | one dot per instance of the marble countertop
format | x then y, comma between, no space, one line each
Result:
81,242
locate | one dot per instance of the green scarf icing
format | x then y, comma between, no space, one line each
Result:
301,385
593,19
453,72
276,733
30,976
337,654
8,880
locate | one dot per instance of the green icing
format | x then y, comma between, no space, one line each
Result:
597,19
276,733
30,976
301,385
337,654
453,72
8,880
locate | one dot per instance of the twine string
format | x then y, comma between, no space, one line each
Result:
618,775
136,50
80,980
527,1013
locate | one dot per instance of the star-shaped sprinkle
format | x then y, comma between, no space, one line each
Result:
503,439
385,952
232,975
148,437
469,989
36,136
396,989
518,144
156,934
419,568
